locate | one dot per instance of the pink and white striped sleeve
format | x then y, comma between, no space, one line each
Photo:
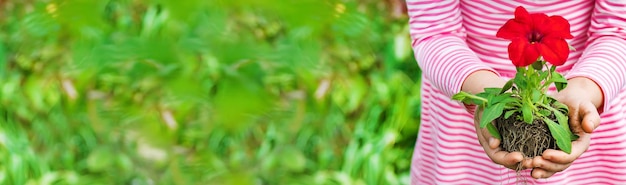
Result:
604,59
439,44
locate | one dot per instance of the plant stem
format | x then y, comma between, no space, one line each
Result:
548,107
548,78
477,97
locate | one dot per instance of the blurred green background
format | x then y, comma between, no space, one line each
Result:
206,92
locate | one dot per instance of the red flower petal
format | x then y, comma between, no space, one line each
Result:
516,51
511,30
559,28
554,51
540,23
531,54
521,15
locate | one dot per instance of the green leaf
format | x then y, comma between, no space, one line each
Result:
507,86
491,113
475,102
509,113
564,122
502,98
543,74
490,98
560,106
484,95
559,81
536,96
562,119
527,113
557,77
466,98
545,112
493,131
561,136
520,81
560,86
460,96
493,90
489,94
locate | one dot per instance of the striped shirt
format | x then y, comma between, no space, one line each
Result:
452,39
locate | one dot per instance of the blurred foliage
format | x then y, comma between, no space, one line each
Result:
206,92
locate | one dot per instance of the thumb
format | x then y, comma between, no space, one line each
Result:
589,116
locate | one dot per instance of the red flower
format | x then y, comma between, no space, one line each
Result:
534,35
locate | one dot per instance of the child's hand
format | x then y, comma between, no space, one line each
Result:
475,83
492,148
583,97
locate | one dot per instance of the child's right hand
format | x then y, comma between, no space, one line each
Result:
475,83
492,148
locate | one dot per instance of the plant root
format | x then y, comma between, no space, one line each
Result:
529,139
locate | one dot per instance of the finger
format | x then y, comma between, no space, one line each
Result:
483,137
589,115
505,158
540,162
539,173
574,118
578,148
486,137
498,156
527,163
492,148
493,142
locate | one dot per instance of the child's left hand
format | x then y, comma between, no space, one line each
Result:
583,97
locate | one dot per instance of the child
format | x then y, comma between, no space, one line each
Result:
456,46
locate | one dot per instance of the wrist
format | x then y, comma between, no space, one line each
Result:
477,81
590,90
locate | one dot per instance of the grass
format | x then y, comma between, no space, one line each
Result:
206,92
